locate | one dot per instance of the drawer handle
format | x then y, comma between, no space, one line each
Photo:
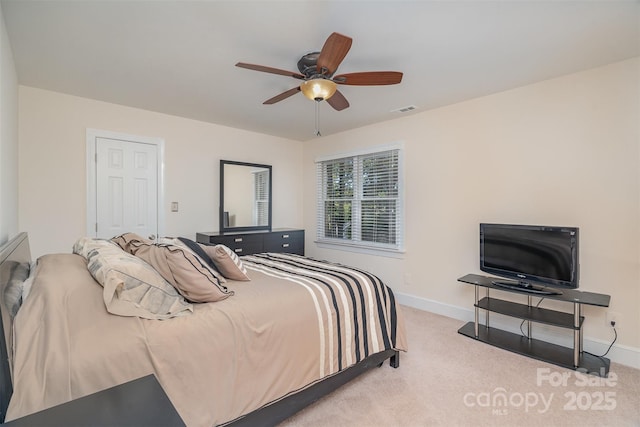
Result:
285,245
237,239
238,250
285,236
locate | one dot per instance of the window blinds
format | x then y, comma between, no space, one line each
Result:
261,198
359,200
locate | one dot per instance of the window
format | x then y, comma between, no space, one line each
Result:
360,200
261,197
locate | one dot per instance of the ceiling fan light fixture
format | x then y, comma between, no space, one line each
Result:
318,89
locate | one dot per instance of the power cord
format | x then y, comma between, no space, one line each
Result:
613,325
601,357
522,324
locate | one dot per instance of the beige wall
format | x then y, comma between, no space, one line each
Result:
560,152
53,171
8,138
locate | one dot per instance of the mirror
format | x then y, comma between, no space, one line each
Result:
245,196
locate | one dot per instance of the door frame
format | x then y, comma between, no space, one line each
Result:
92,213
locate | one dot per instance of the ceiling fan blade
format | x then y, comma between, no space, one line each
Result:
332,53
270,70
283,95
369,78
338,101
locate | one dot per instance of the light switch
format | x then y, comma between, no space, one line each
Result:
174,206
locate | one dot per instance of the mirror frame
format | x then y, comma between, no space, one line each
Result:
267,227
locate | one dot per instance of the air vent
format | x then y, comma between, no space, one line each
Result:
405,109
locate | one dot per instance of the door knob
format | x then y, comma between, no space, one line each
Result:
152,237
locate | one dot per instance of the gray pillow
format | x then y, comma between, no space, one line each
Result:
18,273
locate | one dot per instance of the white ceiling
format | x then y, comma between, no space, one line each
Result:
178,57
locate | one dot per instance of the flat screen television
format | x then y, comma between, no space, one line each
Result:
538,259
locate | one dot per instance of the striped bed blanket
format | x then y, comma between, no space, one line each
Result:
356,312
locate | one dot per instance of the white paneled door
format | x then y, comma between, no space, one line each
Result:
126,178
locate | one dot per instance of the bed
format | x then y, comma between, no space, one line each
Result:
266,348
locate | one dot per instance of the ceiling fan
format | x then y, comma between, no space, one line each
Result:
317,71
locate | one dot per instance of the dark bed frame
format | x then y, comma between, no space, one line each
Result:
17,250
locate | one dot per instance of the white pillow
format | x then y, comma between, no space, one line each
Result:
131,286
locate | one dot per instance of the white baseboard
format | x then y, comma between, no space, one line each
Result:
622,354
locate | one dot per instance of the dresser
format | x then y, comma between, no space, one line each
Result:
286,240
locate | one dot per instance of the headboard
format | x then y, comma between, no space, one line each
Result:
12,254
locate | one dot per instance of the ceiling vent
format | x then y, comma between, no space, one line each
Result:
405,109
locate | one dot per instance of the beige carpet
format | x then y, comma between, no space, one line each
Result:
446,379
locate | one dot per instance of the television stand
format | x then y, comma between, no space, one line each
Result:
572,358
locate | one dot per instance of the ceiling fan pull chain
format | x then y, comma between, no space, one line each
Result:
318,118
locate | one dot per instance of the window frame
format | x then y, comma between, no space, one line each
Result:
354,243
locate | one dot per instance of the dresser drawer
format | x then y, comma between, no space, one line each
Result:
242,244
285,241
